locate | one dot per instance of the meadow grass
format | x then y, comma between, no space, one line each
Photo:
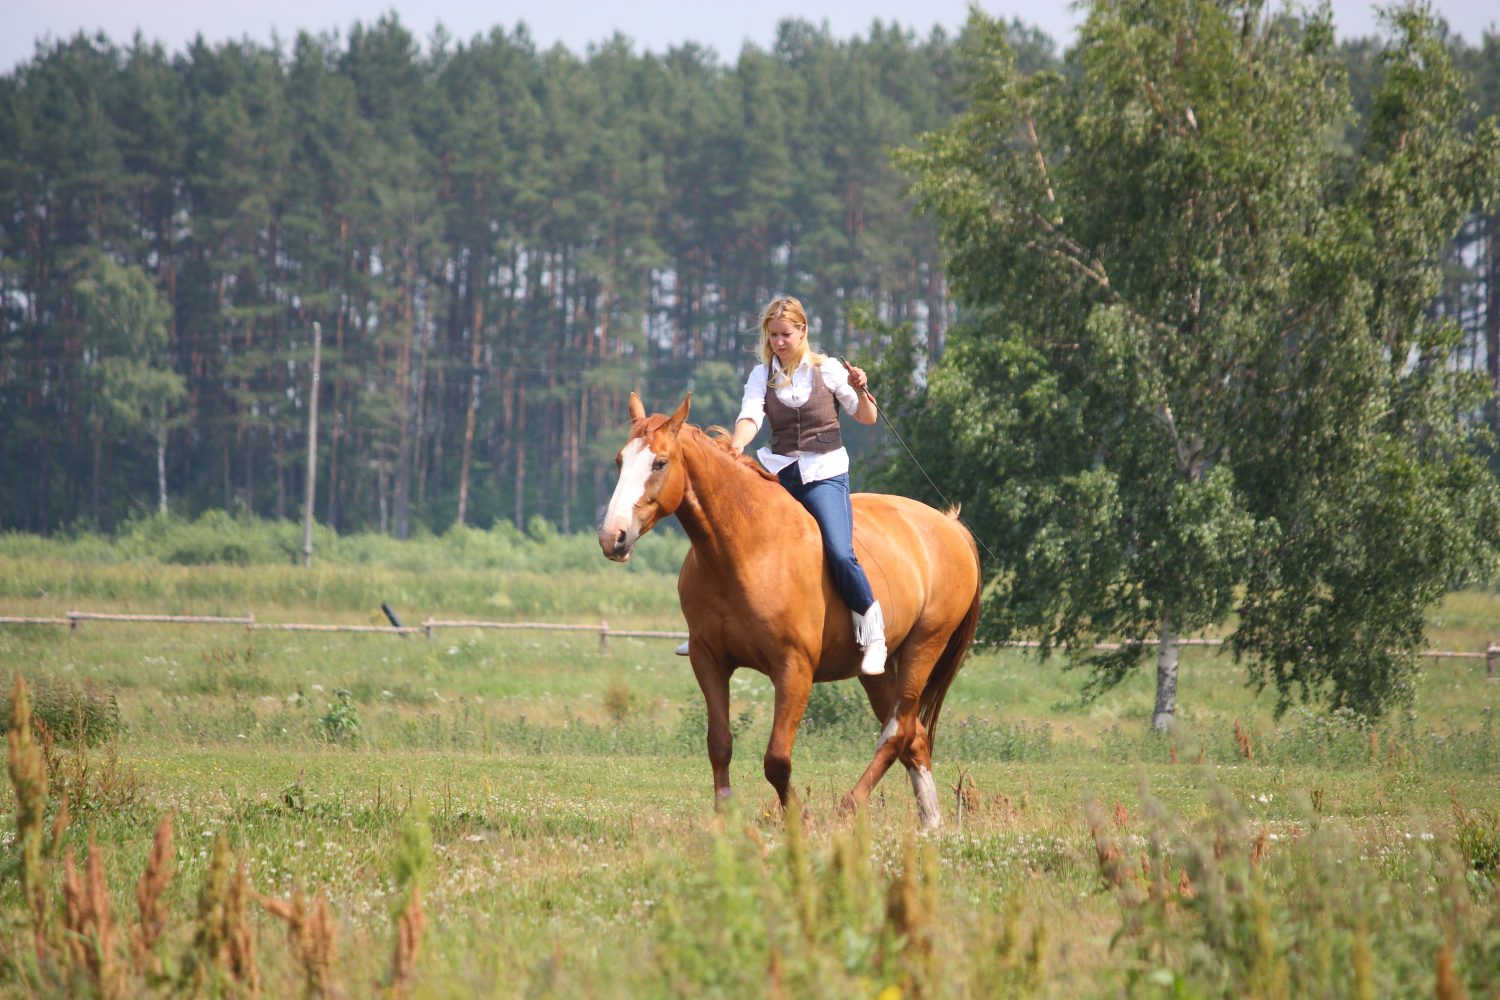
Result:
551,803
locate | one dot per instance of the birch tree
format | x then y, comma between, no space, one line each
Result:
1196,385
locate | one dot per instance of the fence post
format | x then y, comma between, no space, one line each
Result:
1490,655
250,625
72,623
428,626
603,636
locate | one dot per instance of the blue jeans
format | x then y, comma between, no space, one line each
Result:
828,502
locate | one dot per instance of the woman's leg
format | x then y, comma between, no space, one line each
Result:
828,502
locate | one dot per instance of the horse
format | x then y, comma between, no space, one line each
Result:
755,593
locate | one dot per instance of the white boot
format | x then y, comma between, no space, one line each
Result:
869,633
682,650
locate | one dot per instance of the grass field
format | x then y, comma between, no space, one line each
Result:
552,803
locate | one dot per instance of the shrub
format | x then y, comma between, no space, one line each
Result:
837,711
72,712
340,724
1476,836
620,701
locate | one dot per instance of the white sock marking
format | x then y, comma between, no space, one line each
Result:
925,788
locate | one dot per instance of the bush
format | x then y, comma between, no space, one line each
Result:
72,712
218,538
340,723
1477,839
692,725
837,711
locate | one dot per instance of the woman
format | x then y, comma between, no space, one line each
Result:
799,392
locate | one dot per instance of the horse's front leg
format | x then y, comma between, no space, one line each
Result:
792,690
713,679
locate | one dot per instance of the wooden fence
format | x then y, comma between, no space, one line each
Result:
73,619
1491,654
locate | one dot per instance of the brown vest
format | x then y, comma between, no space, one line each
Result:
813,426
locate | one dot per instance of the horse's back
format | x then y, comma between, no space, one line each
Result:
883,520
906,545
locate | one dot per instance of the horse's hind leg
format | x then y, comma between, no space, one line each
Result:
918,760
904,736
894,700
885,755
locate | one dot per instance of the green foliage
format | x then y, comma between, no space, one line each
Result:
838,711
1218,907
692,725
413,861
83,714
1197,384
130,384
340,724
498,240
620,701
215,538
1477,839
564,852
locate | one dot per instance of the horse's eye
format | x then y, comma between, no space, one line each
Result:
658,465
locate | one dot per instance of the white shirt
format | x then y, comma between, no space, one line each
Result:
813,465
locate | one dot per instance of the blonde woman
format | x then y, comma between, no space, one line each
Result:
799,392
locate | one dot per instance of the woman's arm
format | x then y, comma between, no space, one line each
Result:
744,433
860,383
752,409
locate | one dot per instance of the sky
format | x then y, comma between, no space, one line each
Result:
654,25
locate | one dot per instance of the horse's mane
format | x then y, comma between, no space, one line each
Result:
720,438
716,436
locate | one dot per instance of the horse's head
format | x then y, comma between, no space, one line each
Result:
652,479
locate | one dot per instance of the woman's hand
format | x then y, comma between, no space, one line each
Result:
860,383
744,433
858,380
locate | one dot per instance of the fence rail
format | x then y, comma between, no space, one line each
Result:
73,619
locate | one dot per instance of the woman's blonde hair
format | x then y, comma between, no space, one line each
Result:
785,307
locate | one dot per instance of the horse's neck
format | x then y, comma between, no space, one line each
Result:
730,510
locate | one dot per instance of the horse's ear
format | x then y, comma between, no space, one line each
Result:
674,423
637,411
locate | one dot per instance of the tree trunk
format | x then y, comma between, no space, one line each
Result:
570,465
98,466
278,459
247,452
934,315
43,489
1166,677
331,508
423,429
381,486
159,426
519,437
1492,303
476,343
406,323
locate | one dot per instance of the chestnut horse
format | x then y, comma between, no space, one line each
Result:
755,594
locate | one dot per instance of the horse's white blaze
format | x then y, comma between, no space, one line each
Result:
888,732
635,467
930,813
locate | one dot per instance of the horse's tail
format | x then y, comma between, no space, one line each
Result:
930,706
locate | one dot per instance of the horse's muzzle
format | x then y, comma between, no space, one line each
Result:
617,545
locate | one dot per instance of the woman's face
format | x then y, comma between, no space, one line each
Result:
786,340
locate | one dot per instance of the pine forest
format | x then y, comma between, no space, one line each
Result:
496,243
